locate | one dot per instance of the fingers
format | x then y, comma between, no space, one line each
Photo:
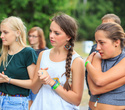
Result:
44,68
45,79
3,72
93,53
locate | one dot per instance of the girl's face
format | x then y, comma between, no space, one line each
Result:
105,46
58,37
33,38
8,36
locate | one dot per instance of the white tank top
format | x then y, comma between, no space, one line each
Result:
48,99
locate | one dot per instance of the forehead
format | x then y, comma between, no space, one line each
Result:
108,20
33,33
54,26
101,35
5,26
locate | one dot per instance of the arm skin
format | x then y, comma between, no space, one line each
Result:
103,89
103,78
21,83
73,96
95,90
36,81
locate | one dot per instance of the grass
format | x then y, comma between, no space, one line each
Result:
79,49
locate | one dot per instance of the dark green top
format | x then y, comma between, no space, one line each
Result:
17,69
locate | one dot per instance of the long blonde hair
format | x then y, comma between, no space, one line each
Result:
15,24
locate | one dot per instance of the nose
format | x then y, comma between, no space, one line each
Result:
1,35
51,34
98,47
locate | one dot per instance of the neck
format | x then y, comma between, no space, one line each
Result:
14,49
118,53
36,46
60,51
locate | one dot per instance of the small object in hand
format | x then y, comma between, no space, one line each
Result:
2,72
42,73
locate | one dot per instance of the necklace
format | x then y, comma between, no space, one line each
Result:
95,105
7,63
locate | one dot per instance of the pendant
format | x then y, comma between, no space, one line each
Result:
4,69
95,105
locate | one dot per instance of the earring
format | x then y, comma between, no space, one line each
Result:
67,46
16,39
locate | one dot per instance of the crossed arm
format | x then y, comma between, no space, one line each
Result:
102,82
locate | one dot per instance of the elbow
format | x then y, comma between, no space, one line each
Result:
99,82
34,91
94,92
77,103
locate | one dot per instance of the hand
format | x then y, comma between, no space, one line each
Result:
90,57
3,78
44,77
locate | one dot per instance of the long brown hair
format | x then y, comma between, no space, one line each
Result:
42,42
69,26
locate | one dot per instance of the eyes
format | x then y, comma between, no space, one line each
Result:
100,42
32,36
4,32
55,32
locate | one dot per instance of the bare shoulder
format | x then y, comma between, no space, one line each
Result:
97,57
78,60
40,55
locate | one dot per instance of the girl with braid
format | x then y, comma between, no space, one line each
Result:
59,77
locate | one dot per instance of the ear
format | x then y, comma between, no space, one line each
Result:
17,33
68,38
117,43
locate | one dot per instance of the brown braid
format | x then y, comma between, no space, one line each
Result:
68,68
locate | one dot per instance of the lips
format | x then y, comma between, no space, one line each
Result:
3,40
52,41
101,53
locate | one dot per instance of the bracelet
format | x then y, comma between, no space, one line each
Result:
9,81
87,63
54,83
55,86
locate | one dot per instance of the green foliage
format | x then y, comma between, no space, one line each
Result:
88,13
35,12
89,16
119,9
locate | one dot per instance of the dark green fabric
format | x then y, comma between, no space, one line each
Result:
17,69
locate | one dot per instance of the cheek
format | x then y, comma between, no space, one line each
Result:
109,51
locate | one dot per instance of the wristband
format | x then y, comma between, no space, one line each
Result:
87,63
9,81
54,83
55,86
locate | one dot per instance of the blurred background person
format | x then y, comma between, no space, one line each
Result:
37,42
36,39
